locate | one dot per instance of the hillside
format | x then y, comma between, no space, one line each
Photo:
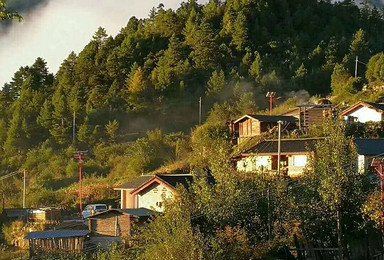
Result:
153,72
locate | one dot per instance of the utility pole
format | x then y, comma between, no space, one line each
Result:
271,96
80,155
200,110
279,148
74,128
356,64
24,189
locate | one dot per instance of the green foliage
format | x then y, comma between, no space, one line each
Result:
216,83
111,129
171,234
343,83
375,70
373,209
5,15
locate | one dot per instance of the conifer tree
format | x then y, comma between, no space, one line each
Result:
216,83
255,71
138,83
204,47
240,32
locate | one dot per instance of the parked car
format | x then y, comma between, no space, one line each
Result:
92,209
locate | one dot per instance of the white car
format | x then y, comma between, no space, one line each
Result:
92,209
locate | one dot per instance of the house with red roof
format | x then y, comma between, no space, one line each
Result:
363,112
150,191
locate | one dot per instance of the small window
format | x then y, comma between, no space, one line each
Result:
155,190
164,190
300,160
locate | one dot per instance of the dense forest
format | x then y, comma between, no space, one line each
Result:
134,97
132,102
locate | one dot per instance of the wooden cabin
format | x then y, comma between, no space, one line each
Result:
118,222
310,115
249,126
69,241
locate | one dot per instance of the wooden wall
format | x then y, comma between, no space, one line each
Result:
74,244
111,224
249,128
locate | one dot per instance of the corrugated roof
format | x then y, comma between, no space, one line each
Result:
57,234
140,212
266,118
379,106
369,146
136,182
288,146
176,179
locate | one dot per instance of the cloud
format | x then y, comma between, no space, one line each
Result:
61,26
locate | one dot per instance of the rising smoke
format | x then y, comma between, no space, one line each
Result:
53,28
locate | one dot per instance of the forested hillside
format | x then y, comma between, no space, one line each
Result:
152,74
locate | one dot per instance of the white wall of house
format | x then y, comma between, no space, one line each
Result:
296,164
361,163
153,197
254,163
365,114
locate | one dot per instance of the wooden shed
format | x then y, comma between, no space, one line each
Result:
118,222
70,241
46,215
253,125
311,115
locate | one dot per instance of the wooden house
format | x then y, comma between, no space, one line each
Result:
71,241
310,115
249,126
118,222
150,191
263,157
363,112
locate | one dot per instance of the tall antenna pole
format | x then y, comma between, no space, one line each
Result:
200,110
24,189
279,148
74,128
271,96
356,61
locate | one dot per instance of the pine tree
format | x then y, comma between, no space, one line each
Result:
240,32
255,70
138,83
216,83
111,130
170,67
204,47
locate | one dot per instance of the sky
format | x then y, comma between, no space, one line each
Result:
59,27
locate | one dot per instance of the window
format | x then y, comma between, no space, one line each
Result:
300,160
